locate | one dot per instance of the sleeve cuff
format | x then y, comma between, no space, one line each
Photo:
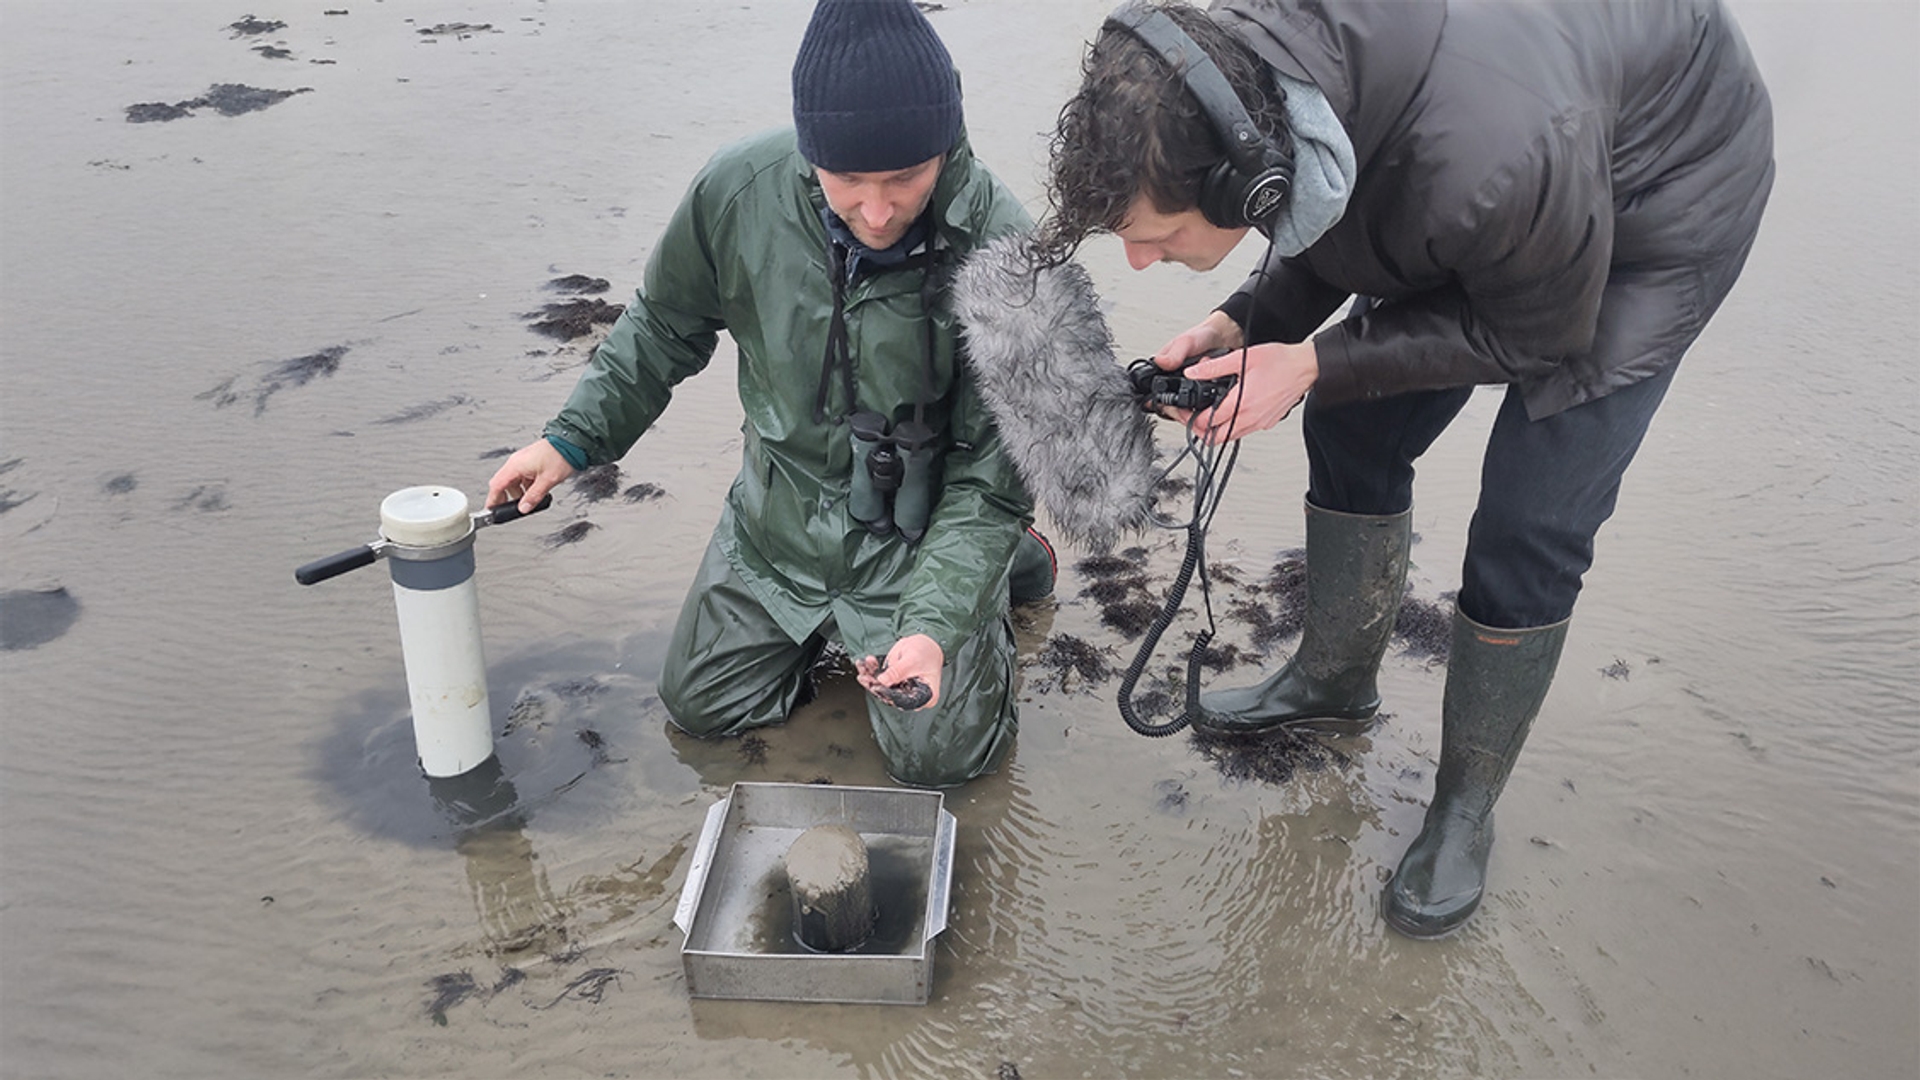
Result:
575,456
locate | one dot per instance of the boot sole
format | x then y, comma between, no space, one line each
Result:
1313,725
1418,931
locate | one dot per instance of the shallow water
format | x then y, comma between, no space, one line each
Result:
217,858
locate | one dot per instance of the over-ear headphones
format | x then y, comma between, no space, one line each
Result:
1248,188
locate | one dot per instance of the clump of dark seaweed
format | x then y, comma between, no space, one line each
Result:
529,710
1121,587
589,987
572,534
1130,617
227,99
206,498
449,990
1100,566
1065,655
571,319
579,283
1283,611
597,483
273,52
644,492
1114,590
120,485
297,372
585,689
456,29
1425,628
1273,758
754,749
1221,657
596,745
425,409
1173,797
247,26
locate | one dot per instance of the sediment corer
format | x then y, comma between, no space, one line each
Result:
892,475
426,536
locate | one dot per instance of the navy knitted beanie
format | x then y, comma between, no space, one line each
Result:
874,90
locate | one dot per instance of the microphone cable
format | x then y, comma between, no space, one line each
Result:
1211,474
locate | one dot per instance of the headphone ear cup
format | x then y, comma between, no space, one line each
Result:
1222,195
1231,199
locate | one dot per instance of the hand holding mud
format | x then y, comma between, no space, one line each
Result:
1272,379
915,658
528,475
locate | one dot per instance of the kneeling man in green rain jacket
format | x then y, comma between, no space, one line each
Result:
825,251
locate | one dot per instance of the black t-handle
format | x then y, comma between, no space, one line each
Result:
510,511
334,565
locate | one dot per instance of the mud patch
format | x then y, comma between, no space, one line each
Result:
227,99
29,618
120,485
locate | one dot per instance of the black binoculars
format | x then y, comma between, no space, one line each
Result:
1172,389
891,487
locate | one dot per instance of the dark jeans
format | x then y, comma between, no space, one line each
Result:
1545,485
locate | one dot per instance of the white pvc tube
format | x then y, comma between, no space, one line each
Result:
439,610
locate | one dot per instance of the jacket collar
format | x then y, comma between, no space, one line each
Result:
947,204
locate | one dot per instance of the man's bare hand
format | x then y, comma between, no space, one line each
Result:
528,475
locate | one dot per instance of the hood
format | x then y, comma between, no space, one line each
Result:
1368,59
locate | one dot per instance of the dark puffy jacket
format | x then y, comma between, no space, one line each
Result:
1553,195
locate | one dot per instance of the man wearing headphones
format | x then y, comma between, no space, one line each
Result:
1550,197
874,504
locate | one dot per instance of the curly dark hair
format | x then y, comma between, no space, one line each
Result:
1134,128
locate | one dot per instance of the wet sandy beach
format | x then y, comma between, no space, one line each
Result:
231,323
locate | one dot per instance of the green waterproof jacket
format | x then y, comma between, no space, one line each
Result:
747,252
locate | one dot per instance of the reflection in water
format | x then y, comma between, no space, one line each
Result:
518,915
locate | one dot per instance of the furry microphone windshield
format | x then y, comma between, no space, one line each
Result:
1043,358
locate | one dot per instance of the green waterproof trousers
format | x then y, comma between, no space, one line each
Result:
731,668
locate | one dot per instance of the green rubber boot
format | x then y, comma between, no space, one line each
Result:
1496,680
1034,568
1356,576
